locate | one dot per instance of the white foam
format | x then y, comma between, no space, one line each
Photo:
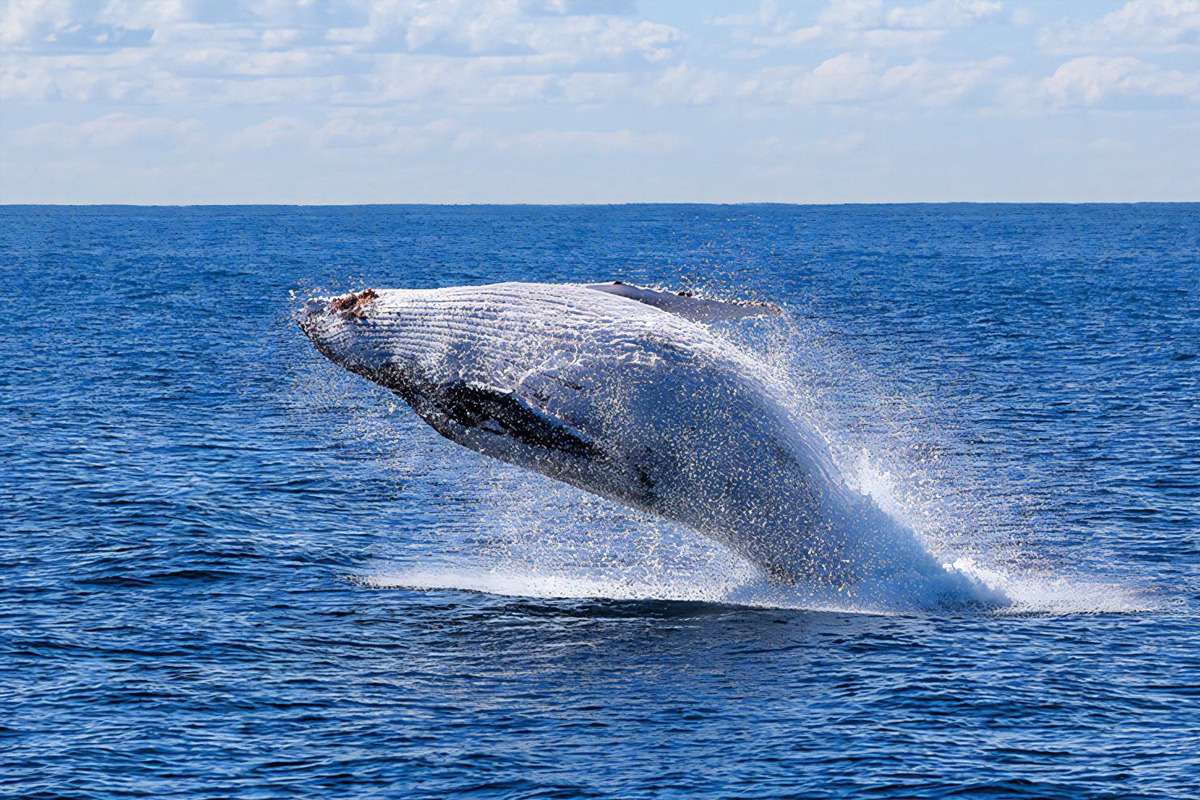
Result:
757,593
1051,596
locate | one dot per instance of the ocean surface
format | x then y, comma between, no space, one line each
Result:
232,570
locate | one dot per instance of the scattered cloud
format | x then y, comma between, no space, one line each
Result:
943,13
856,78
571,142
342,132
687,84
268,134
111,130
369,52
317,84
1138,26
465,28
846,142
500,53
867,23
1092,79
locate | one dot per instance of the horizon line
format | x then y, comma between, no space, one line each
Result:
457,204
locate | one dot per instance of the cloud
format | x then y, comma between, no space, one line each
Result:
776,148
870,23
384,136
856,78
687,84
63,26
579,7
110,131
461,28
1092,79
295,90
943,14
365,53
123,76
593,87
845,143
25,22
343,132
572,142
268,134
1138,26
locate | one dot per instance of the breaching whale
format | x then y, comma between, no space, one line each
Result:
626,392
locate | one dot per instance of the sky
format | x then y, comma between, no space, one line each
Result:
593,101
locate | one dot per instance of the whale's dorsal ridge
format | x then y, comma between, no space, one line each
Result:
686,305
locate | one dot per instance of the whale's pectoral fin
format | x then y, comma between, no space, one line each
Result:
476,406
697,309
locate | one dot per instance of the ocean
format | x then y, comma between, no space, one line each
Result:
233,570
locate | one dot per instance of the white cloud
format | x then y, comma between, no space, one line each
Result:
854,14
111,130
886,38
1138,26
24,22
1092,79
65,26
846,142
775,148
501,28
303,88
571,142
686,84
384,136
369,53
593,87
943,14
859,78
579,7
268,133
342,132
930,83
847,23
121,76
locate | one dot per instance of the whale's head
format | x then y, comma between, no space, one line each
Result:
349,330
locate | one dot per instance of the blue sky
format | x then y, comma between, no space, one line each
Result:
350,101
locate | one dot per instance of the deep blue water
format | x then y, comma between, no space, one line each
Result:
231,570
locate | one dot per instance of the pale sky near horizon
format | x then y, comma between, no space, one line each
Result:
379,101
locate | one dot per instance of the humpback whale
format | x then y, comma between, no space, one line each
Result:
627,393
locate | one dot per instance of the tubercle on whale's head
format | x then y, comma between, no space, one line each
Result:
352,303
340,328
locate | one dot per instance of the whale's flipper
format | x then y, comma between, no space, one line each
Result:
685,305
505,413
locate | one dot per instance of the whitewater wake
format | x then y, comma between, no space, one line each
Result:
532,538
1052,596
